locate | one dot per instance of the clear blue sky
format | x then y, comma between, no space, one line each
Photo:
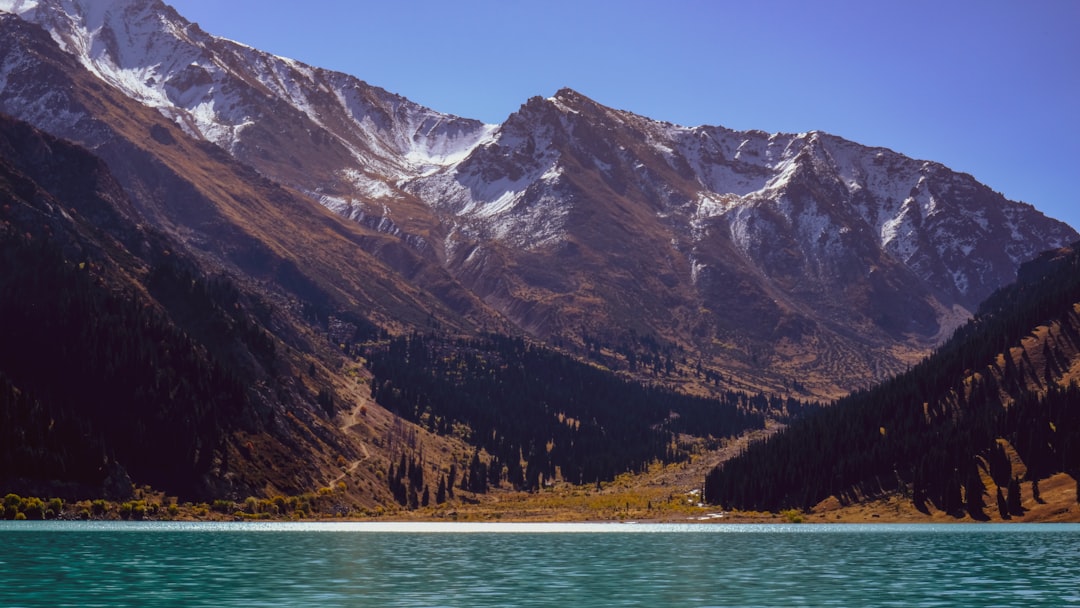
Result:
987,87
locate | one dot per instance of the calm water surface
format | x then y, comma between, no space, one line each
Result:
198,564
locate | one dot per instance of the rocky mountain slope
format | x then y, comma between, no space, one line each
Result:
804,255
763,257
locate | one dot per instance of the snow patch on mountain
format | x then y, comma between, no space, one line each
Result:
429,148
740,225
503,184
712,204
710,154
898,236
522,210
23,8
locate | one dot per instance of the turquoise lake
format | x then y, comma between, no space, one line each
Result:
381,564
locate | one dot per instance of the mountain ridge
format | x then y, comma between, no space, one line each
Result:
847,262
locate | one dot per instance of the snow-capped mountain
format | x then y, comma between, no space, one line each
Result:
820,248
765,256
347,141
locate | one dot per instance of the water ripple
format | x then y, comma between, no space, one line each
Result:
279,565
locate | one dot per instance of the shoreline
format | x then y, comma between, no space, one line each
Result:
614,504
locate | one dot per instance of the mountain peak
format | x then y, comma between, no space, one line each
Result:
574,101
568,95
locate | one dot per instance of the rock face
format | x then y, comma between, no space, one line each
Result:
766,257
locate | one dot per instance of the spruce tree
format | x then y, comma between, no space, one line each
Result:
1014,501
1002,505
440,492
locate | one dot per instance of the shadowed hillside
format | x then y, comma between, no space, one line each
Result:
991,413
121,359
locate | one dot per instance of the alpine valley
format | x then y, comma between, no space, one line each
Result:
230,274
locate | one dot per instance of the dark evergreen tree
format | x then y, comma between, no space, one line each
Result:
440,492
1002,505
1013,499
973,493
325,399
477,475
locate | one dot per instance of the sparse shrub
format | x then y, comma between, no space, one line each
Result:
33,507
793,516
11,505
224,506
98,507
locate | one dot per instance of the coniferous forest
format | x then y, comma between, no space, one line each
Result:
97,367
535,410
930,431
